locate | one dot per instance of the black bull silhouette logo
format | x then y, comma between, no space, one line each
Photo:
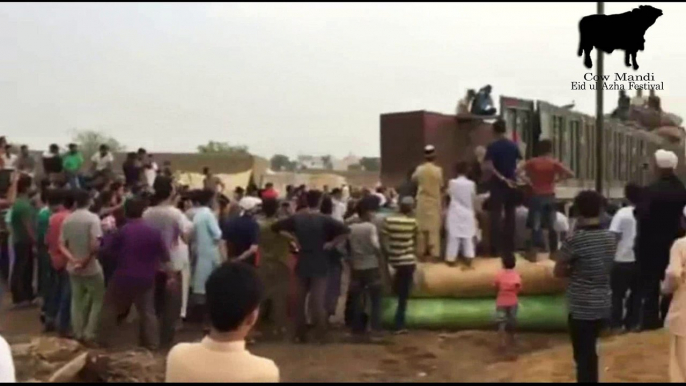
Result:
622,31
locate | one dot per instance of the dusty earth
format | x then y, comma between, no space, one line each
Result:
427,356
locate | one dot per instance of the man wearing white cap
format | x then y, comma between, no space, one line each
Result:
658,225
241,233
429,178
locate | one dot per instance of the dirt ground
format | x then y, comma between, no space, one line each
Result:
427,356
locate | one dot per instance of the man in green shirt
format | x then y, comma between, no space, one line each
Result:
71,163
274,271
22,223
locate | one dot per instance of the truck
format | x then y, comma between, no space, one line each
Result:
627,149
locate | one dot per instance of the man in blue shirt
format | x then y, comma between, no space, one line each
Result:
502,156
242,233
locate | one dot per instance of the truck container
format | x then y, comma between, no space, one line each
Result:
404,136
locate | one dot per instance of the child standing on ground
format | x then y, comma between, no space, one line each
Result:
365,277
509,284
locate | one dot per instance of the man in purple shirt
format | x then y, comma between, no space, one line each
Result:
139,251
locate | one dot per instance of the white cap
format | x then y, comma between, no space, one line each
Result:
666,159
249,203
429,150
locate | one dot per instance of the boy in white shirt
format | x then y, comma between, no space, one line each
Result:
624,271
7,372
102,160
9,158
233,293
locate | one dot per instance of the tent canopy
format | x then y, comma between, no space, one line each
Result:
231,181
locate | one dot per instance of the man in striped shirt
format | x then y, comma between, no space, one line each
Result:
586,258
400,239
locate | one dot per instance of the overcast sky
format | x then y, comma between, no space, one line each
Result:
293,78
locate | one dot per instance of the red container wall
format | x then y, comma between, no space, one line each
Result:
442,132
479,133
402,143
404,135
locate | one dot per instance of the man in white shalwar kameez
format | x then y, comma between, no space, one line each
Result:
461,218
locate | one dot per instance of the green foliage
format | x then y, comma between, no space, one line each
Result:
328,164
280,162
89,142
214,147
371,164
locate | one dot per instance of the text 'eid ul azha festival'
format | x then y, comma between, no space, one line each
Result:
619,81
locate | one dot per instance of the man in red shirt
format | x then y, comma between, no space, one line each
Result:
59,304
269,192
543,172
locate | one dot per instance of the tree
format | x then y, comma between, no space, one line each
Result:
214,147
328,164
372,164
89,142
281,162
355,168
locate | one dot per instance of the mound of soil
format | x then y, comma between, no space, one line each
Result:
640,357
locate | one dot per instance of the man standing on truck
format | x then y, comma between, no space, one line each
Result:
543,172
429,178
502,156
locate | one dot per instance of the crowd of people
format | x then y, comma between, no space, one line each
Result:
263,264
105,245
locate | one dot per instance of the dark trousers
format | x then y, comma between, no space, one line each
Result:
58,302
45,271
348,313
21,283
365,284
402,284
73,180
655,308
167,306
108,265
584,335
4,256
625,278
333,286
502,229
542,215
119,298
46,277
316,288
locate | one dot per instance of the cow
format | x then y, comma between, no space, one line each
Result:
622,31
